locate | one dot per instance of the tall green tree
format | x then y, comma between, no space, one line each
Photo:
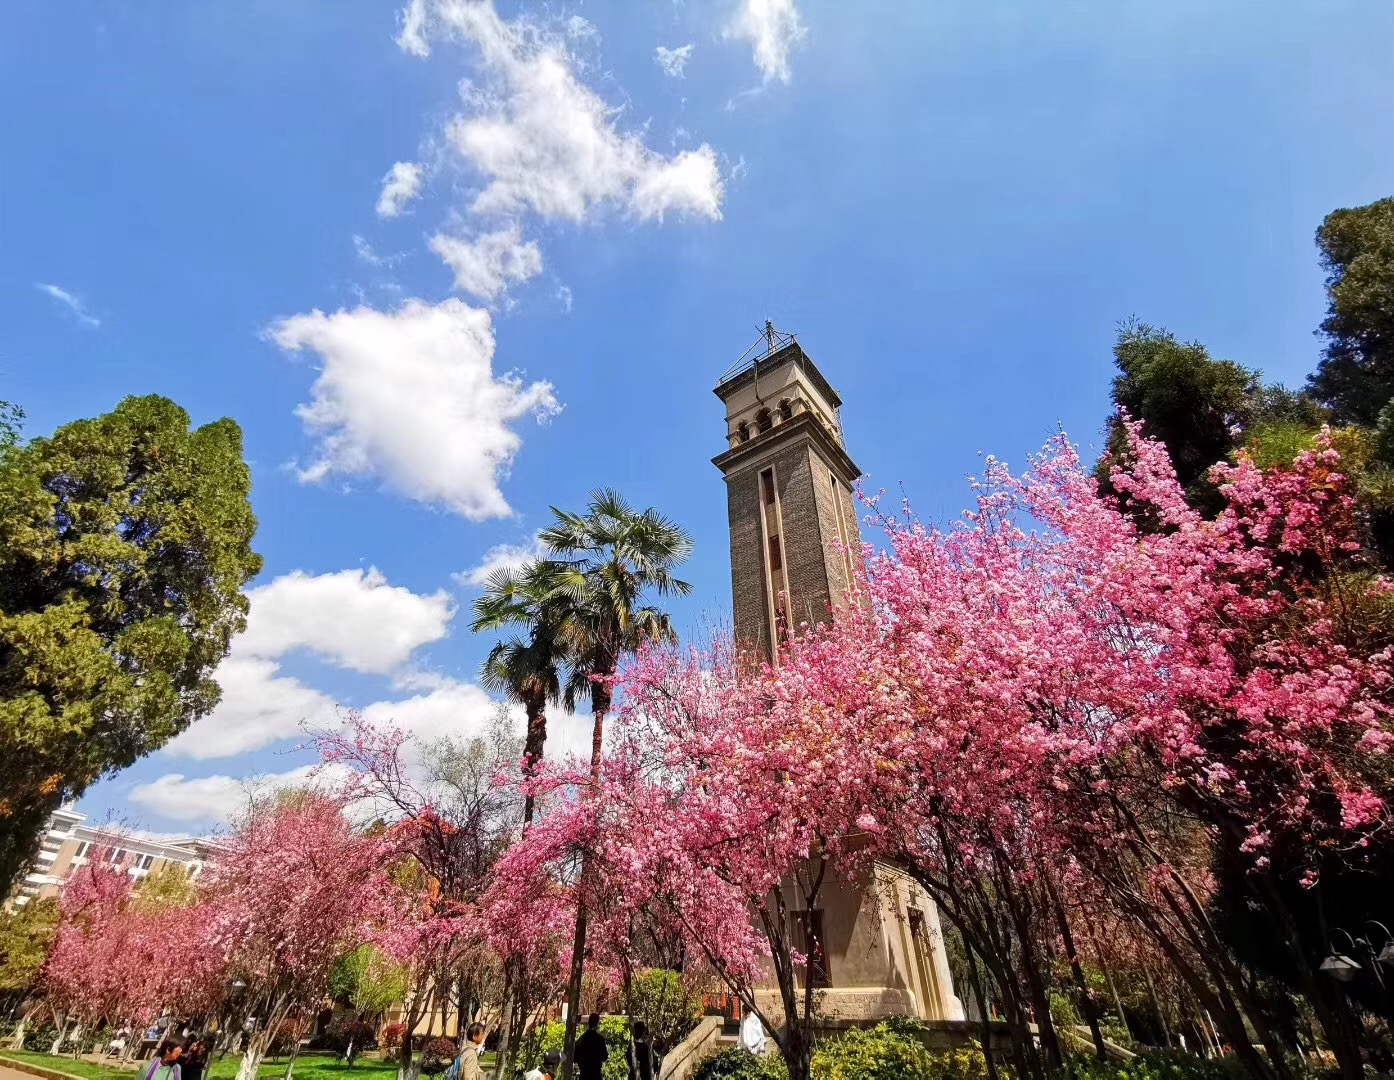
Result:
25,936
125,541
1201,408
1192,402
605,564
527,669
1356,374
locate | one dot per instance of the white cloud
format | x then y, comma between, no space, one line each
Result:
409,396
501,557
212,798
76,308
488,264
401,184
259,706
352,618
773,28
565,298
542,140
456,709
674,61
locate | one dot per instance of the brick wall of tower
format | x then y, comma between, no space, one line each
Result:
809,524
747,571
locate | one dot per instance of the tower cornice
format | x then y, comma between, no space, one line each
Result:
804,426
790,352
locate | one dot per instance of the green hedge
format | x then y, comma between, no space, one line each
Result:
737,1063
892,1050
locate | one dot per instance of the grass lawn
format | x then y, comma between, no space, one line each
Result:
307,1067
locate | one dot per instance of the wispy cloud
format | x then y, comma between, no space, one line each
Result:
674,61
773,28
76,308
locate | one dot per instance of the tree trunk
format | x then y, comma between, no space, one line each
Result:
407,1069
980,994
508,1036
57,1047
255,1053
1081,984
295,1052
17,1042
599,703
533,745
573,989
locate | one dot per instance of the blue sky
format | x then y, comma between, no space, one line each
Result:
533,250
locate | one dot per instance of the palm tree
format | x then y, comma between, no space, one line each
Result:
604,563
526,670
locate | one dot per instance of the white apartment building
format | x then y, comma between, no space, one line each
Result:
69,843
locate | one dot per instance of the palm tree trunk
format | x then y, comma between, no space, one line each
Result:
533,745
599,701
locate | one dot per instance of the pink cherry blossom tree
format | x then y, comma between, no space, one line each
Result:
1037,690
294,886
450,807
99,966
1027,702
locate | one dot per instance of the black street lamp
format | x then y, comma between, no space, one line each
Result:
1343,968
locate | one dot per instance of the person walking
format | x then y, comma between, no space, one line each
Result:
165,1065
551,1065
194,1060
643,1062
753,1034
591,1051
468,1061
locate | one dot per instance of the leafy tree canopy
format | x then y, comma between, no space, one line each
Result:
1200,408
125,541
169,887
1356,375
25,936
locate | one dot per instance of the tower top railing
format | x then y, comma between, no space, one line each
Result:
767,344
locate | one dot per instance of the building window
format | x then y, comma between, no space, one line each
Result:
82,849
763,420
811,944
143,862
786,411
767,487
776,556
118,854
844,532
743,432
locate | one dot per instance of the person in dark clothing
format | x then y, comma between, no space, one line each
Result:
591,1051
643,1062
194,1060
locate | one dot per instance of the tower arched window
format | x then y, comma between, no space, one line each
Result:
786,410
763,420
743,432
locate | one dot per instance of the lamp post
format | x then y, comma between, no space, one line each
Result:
1344,968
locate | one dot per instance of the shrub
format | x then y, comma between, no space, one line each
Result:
552,1037
667,1004
1155,1065
40,1037
392,1036
885,1052
437,1055
737,1063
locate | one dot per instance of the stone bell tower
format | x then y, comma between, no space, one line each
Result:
875,945
789,482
